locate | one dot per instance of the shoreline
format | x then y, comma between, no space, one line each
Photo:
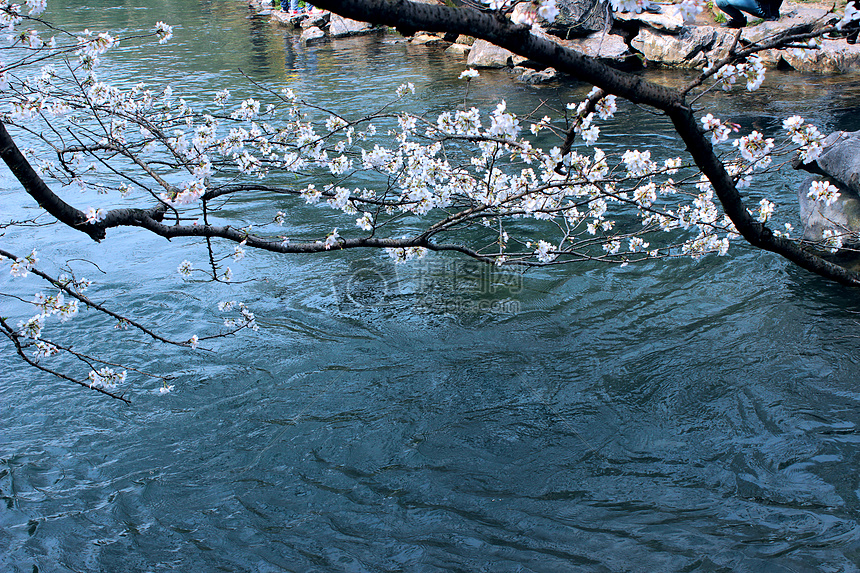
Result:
634,41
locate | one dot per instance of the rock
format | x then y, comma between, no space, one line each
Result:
467,40
284,19
602,46
834,57
692,48
423,39
665,40
840,217
340,27
578,18
839,164
311,35
840,161
316,20
530,76
668,20
607,47
461,50
802,18
521,61
486,55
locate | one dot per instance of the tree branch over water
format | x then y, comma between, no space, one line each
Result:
276,173
501,31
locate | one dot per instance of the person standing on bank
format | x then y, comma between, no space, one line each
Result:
764,9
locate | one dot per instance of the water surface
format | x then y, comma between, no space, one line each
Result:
678,416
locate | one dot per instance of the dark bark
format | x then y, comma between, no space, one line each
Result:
38,190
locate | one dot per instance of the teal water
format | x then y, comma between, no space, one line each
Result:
677,416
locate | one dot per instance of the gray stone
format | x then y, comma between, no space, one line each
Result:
839,164
842,216
608,47
311,35
664,40
530,76
692,48
840,161
284,19
340,27
460,50
316,20
517,60
603,46
423,39
668,20
834,57
577,18
486,55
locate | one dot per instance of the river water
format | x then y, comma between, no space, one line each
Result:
677,416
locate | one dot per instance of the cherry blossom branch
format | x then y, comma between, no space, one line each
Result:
15,338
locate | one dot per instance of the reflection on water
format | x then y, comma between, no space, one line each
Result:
682,416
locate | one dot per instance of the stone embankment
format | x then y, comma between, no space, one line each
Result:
317,26
623,40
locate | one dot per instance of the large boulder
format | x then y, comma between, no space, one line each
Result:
692,48
340,27
315,20
530,76
312,35
486,55
577,18
607,47
834,57
458,50
669,19
840,217
839,164
840,160
422,39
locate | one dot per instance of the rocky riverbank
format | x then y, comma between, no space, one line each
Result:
624,40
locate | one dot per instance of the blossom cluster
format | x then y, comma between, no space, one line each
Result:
823,191
245,318
752,70
106,378
47,305
807,136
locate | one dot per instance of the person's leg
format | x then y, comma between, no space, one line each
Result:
736,18
751,7
769,9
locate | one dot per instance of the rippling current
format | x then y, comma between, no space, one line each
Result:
677,416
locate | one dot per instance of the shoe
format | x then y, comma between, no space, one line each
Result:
771,9
736,23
